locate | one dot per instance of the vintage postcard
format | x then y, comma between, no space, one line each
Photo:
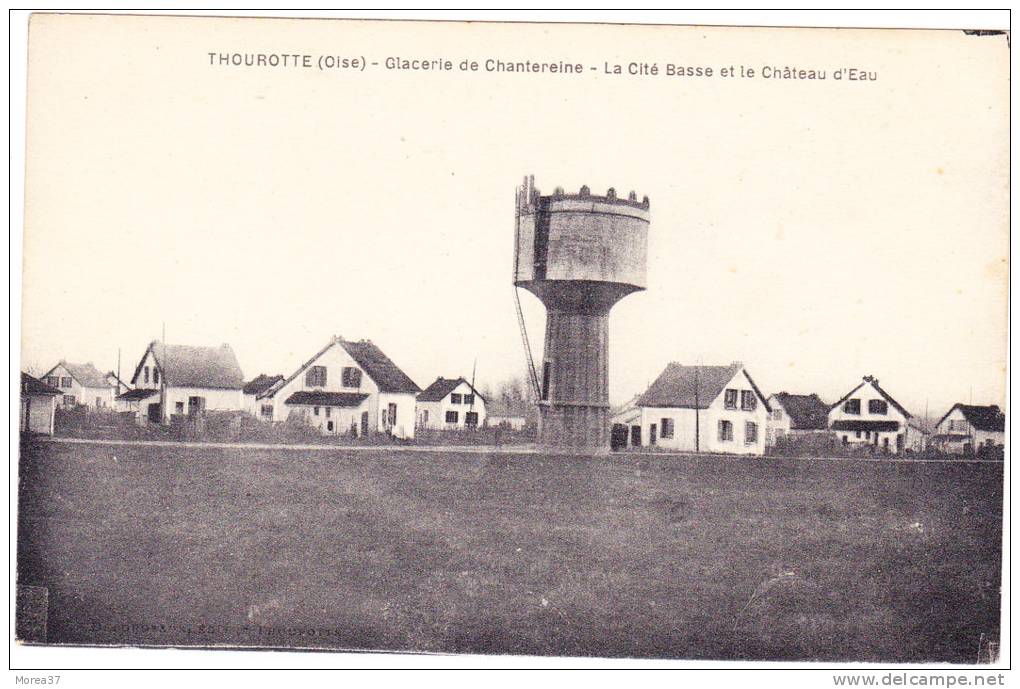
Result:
576,340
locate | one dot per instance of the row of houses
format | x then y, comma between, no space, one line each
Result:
352,387
347,387
722,409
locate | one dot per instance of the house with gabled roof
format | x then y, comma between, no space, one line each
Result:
346,387
967,428
624,422
255,387
506,415
81,385
114,381
703,409
794,415
868,415
189,379
38,405
450,403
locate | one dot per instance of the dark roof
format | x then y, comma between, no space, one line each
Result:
34,386
379,367
196,367
692,387
327,399
137,394
854,425
87,375
441,387
806,412
261,383
983,418
883,393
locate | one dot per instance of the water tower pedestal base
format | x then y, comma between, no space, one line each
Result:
574,414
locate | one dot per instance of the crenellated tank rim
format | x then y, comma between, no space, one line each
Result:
584,194
532,195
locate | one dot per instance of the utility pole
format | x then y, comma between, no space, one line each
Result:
163,415
697,412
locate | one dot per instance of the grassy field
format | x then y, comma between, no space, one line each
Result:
617,556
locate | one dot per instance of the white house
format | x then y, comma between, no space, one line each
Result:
795,415
255,387
118,385
450,403
966,428
81,385
625,422
703,409
38,405
868,415
347,387
499,414
191,380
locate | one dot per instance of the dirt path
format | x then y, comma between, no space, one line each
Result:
479,449
528,449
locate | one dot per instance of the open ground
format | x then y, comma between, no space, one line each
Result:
625,555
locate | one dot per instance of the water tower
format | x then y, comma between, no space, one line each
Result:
579,254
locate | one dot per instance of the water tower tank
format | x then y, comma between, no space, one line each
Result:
579,254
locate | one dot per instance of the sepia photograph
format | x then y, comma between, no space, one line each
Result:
537,342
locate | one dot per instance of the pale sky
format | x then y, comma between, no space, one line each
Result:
816,231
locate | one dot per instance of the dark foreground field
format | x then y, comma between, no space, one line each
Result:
622,556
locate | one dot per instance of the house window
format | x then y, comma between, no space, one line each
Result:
425,416
351,377
145,372
750,433
958,425
54,381
777,414
852,407
267,410
196,404
867,435
329,412
179,407
69,400
858,434
878,407
469,399
846,439
99,402
666,428
315,410
393,413
455,398
748,401
329,424
730,400
155,375
471,418
452,416
726,427
316,377
65,382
